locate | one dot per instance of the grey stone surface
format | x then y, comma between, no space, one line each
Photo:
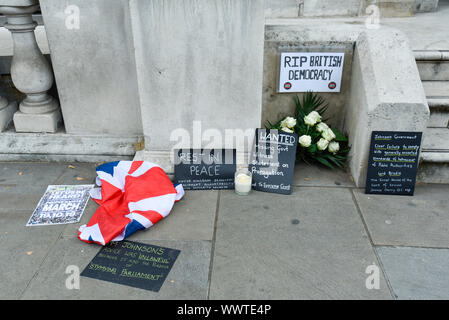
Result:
261,252
439,118
426,5
6,49
436,88
29,175
209,71
38,123
94,67
434,70
421,220
391,8
386,93
23,248
433,172
192,218
282,8
426,31
416,273
319,176
66,147
323,8
188,279
6,113
436,139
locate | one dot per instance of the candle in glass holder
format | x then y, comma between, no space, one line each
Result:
243,181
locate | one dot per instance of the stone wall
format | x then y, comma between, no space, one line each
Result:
94,66
197,60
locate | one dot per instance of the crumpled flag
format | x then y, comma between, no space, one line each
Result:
134,195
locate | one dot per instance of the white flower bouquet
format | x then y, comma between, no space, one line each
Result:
317,141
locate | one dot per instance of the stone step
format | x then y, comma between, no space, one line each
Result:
436,88
434,166
436,140
439,112
434,70
431,55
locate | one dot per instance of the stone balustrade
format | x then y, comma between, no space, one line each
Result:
31,73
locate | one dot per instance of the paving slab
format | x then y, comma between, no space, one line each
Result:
77,173
421,220
22,250
29,175
187,280
23,184
310,245
318,176
416,273
192,218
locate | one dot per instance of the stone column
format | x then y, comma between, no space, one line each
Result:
30,71
6,112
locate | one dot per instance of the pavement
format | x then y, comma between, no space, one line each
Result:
321,242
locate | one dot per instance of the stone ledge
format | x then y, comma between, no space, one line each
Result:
65,147
431,55
435,157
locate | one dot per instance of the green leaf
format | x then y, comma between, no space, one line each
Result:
340,137
325,162
313,148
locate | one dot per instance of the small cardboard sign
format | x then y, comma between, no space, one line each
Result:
272,161
310,71
203,169
132,264
393,162
61,205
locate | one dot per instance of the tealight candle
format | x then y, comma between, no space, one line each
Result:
243,181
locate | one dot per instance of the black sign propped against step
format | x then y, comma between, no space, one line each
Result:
393,162
272,161
205,169
132,264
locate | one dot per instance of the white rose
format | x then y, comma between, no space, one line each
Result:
312,118
287,130
322,144
305,141
329,135
288,122
334,147
321,127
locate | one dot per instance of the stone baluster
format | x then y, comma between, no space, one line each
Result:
31,73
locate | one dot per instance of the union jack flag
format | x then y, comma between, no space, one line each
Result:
134,195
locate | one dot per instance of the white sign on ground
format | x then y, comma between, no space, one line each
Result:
61,205
311,71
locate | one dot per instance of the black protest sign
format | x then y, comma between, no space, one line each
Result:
393,162
132,264
272,161
205,169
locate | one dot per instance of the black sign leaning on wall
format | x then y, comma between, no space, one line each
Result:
205,169
272,161
393,162
132,264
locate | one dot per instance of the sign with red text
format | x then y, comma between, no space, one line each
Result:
310,71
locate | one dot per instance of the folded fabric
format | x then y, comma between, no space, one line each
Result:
134,195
